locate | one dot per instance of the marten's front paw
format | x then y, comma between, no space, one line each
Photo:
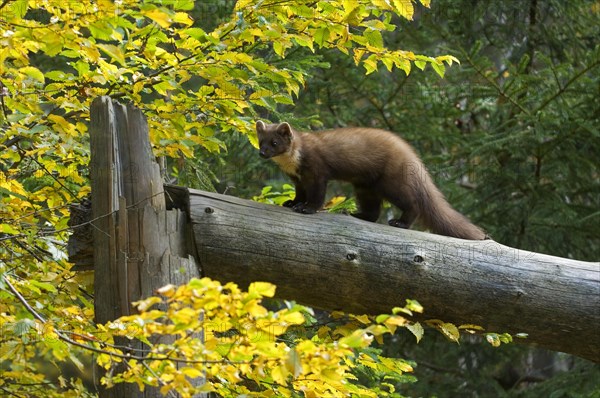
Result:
303,208
289,203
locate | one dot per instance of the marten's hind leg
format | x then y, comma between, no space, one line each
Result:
403,201
405,221
369,204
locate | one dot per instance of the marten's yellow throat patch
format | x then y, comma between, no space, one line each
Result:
289,162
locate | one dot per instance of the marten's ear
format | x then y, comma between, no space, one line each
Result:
284,130
260,126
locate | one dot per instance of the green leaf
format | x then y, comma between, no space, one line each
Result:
358,339
440,69
523,63
11,193
196,33
7,229
304,42
186,5
388,62
114,52
414,305
493,339
23,326
404,64
278,48
374,38
382,318
476,48
101,30
163,87
33,73
18,8
416,329
59,75
82,68
44,286
370,64
322,35
283,99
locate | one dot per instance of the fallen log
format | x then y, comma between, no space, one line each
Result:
338,262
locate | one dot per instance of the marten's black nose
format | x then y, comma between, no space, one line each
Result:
263,154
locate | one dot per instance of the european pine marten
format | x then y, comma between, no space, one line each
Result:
379,164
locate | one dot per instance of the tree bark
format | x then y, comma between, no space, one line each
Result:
138,246
337,262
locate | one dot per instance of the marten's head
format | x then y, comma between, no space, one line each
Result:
274,139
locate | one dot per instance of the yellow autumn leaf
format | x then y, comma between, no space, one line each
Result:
414,305
266,330
7,229
280,374
394,321
367,361
167,290
255,309
493,339
323,332
404,8
447,329
293,318
383,4
331,375
145,305
158,16
306,347
191,372
357,339
470,326
185,316
336,200
242,5
91,52
364,319
395,364
59,120
449,59
261,289
114,52
183,18
279,49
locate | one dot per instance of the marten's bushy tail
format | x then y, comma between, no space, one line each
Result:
437,214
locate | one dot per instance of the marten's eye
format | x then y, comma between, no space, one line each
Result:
274,143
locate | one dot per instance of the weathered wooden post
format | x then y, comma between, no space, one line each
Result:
138,244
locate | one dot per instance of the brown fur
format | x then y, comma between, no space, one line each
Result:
379,164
